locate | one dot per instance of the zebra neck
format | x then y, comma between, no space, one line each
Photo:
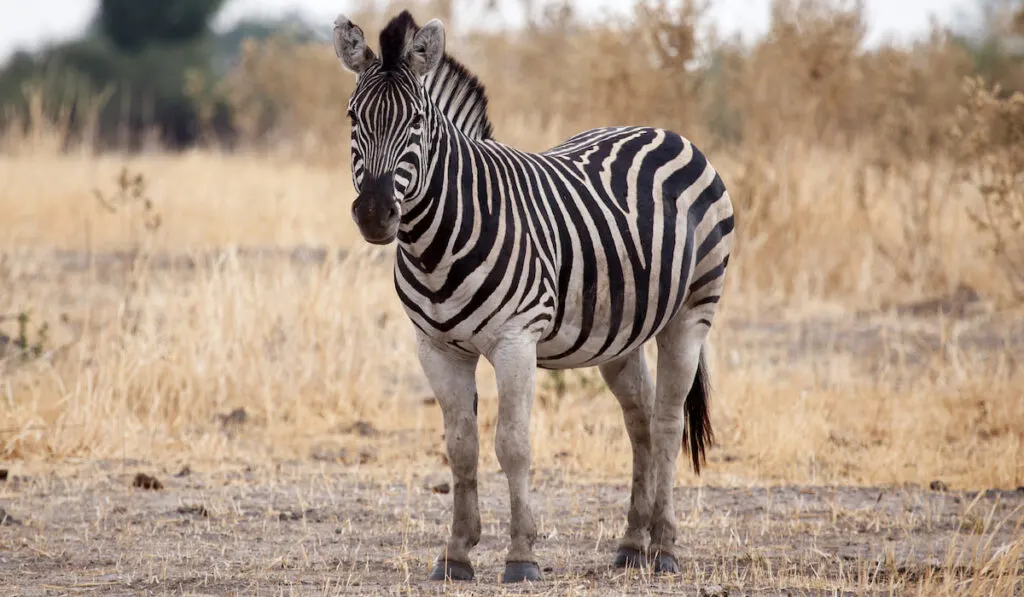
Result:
445,223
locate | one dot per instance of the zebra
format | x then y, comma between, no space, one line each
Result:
572,257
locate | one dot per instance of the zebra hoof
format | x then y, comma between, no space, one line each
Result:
630,557
665,563
451,570
520,571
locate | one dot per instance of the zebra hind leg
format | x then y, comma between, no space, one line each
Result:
453,381
629,380
682,389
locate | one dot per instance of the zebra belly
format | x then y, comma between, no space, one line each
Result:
582,358
580,341
566,347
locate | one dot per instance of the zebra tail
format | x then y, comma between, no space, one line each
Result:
697,432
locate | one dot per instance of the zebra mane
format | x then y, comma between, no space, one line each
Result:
461,97
458,93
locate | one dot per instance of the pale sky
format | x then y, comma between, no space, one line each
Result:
29,24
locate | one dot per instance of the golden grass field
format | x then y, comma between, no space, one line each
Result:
213,319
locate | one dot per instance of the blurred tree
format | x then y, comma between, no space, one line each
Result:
290,27
131,25
141,56
989,34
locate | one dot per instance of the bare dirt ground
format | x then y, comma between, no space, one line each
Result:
309,529
336,524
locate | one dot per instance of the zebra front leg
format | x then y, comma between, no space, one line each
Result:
453,380
681,390
515,364
630,382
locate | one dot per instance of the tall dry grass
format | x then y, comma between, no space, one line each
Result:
145,371
861,180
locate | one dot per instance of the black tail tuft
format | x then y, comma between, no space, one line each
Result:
697,433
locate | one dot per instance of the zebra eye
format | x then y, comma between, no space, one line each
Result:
352,117
417,120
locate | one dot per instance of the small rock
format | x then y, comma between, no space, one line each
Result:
329,455
1020,489
3,474
144,481
365,456
184,472
362,429
937,485
342,455
235,417
714,591
442,487
295,515
7,519
199,510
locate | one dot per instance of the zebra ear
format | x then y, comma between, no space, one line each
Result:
426,49
350,45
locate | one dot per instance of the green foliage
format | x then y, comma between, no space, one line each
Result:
291,28
140,56
132,25
149,86
984,35
154,65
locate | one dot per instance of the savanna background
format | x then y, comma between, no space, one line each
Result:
184,295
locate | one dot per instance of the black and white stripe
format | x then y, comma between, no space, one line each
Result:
593,245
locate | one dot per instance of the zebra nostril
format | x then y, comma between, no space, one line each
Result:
392,212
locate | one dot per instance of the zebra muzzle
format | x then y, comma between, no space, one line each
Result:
375,211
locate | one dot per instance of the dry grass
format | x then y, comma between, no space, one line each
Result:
204,199
143,358
300,366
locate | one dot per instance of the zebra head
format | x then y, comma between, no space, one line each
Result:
388,110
